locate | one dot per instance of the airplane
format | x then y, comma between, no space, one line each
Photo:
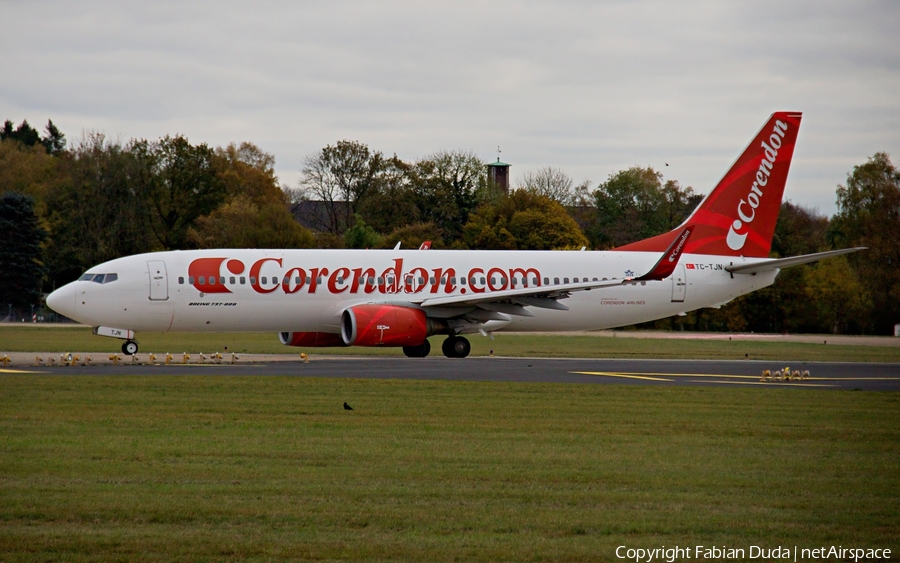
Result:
398,298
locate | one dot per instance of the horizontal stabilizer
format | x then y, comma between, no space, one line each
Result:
781,263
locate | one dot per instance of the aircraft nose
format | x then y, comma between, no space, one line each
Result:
63,300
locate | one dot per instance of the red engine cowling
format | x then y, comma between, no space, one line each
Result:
383,325
311,339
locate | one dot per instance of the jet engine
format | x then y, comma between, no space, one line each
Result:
386,325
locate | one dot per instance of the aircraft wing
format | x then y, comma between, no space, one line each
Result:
514,301
781,263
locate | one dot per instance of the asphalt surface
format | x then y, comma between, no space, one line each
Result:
823,375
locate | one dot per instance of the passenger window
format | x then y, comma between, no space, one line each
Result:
319,280
534,281
431,280
309,280
180,280
453,280
191,280
111,278
595,279
297,280
556,280
565,280
231,280
380,281
252,280
482,281
264,281
222,280
241,280
340,279
546,281
202,280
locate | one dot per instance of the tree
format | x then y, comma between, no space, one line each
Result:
179,183
248,171
842,302
95,209
634,204
524,220
340,176
22,273
360,235
54,142
448,186
24,133
391,204
869,215
550,182
241,223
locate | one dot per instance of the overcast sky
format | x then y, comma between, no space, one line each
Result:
589,87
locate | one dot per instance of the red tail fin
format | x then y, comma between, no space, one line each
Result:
738,217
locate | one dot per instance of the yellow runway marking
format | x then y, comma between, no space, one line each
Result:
624,375
17,371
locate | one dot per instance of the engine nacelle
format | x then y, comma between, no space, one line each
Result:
385,325
311,339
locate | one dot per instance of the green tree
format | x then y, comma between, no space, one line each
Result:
24,133
635,204
94,211
54,142
179,183
448,186
869,215
360,235
391,204
248,171
241,223
22,273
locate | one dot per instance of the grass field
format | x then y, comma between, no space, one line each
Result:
79,339
137,468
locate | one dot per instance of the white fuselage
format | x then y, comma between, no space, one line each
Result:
307,290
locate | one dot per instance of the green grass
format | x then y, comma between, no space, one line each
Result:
138,468
79,339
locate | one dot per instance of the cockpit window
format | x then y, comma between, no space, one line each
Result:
99,278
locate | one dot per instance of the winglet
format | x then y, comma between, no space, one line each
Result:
425,245
666,264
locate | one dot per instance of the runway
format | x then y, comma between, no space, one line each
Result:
823,375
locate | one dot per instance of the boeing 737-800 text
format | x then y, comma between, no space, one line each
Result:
400,297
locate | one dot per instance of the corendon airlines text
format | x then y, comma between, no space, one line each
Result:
206,275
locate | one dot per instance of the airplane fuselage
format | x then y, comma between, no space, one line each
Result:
308,290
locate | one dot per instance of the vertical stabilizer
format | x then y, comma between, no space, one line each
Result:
738,217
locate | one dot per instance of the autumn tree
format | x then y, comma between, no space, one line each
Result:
242,223
550,182
524,220
340,176
869,215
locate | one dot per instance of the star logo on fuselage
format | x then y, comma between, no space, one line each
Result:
628,273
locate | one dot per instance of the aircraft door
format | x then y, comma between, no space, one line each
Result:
679,283
159,280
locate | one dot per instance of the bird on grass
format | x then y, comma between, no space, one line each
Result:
347,407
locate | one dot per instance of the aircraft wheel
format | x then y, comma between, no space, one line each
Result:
130,348
456,347
419,351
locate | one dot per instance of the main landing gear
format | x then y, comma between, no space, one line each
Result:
129,348
453,347
418,351
456,347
